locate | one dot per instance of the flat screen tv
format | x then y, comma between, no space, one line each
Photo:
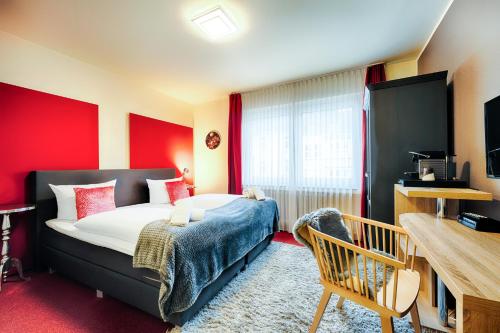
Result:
492,133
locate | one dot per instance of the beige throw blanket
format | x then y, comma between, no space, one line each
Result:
151,252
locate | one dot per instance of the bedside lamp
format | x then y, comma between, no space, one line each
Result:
185,172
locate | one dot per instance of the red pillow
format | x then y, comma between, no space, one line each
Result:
177,190
95,200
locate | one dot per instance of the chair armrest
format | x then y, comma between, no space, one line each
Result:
304,233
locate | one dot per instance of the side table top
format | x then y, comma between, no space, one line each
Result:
15,208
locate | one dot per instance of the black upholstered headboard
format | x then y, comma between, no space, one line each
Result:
131,188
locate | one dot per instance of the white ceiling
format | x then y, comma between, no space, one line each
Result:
154,42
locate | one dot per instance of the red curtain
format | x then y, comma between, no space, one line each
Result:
234,142
374,74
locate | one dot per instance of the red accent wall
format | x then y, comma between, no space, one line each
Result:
40,131
160,144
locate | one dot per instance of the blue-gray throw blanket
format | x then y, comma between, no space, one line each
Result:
190,258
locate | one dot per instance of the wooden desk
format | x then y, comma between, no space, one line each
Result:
423,199
467,261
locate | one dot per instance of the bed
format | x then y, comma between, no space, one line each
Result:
108,266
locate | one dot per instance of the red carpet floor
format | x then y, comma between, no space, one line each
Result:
286,237
51,303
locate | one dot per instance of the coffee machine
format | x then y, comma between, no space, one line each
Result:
432,169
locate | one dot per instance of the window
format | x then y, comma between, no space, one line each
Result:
301,143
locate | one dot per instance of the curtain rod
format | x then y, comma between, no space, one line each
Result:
310,77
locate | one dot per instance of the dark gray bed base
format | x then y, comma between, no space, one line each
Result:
140,292
104,269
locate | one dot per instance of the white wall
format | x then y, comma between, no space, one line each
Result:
32,66
29,65
402,68
211,165
467,44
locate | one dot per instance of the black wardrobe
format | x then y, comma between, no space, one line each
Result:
404,115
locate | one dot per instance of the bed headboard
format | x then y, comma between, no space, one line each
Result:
131,188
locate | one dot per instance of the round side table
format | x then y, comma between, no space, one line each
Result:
6,262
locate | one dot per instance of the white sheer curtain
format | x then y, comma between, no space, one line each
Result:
301,143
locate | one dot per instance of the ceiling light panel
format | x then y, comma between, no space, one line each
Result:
215,23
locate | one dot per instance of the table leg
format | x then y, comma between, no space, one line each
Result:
441,300
441,207
1,274
4,263
441,288
7,262
19,268
5,244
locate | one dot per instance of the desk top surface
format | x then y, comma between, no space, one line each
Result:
445,193
467,261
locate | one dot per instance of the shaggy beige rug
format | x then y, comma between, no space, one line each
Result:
279,292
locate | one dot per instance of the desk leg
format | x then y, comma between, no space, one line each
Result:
441,300
441,207
475,315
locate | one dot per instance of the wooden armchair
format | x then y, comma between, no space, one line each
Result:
391,295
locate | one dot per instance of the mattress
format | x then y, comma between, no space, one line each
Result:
107,240
119,229
68,228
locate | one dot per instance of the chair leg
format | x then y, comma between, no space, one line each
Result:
387,325
340,302
325,298
415,318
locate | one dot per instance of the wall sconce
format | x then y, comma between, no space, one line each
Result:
185,172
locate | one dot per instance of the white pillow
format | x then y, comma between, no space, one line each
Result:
66,202
158,191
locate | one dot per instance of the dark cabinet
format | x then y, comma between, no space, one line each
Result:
404,115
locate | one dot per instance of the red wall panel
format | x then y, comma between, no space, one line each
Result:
160,144
40,131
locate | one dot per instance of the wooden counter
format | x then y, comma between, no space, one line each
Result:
467,261
423,199
445,193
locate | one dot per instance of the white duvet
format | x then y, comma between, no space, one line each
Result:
207,201
126,223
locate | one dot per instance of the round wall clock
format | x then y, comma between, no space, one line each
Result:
212,140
